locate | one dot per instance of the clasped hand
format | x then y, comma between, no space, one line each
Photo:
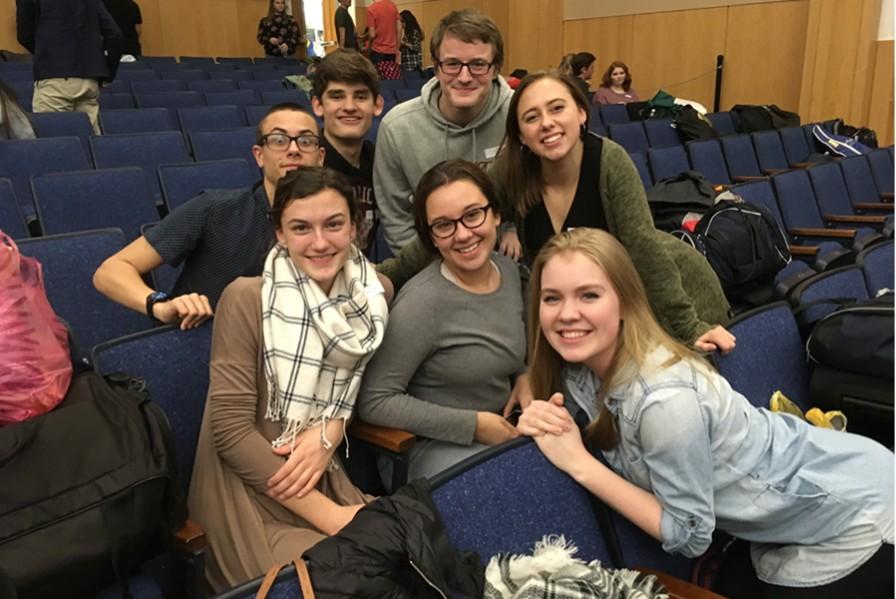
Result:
307,459
554,431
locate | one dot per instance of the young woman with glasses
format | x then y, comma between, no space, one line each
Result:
456,338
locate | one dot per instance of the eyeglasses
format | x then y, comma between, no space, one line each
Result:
307,142
471,219
453,67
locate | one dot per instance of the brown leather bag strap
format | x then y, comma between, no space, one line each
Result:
304,579
268,581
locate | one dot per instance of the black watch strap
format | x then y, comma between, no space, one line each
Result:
152,299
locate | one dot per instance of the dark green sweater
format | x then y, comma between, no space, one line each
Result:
683,290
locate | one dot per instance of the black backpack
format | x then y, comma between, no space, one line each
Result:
761,118
673,199
863,135
856,338
89,490
691,125
745,247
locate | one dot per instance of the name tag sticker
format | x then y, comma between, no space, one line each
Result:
490,153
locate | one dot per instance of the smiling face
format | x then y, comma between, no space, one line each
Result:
468,250
549,119
464,94
579,311
318,231
347,109
276,163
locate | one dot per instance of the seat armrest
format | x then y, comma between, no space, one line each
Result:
887,196
804,250
774,171
820,232
680,589
189,537
864,219
390,439
748,178
874,206
802,165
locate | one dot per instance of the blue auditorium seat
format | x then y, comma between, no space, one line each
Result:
210,118
661,133
667,162
96,199
24,158
11,220
181,182
63,124
876,263
630,136
146,150
490,503
69,262
769,356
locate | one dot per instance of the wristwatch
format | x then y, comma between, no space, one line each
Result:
152,299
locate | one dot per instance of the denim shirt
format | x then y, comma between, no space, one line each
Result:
816,503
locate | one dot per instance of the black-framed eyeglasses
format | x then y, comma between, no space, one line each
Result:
471,219
476,67
306,142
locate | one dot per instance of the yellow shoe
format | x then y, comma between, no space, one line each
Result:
816,417
780,403
835,419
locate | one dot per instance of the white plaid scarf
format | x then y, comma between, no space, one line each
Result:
553,572
315,346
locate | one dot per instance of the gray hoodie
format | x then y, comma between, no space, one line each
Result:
414,137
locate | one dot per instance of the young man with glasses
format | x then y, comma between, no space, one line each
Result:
460,114
218,235
346,95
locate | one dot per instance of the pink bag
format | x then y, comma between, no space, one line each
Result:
35,364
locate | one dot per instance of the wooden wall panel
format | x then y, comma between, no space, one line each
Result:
676,52
880,112
764,63
836,74
499,11
534,36
8,26
608,38
589,9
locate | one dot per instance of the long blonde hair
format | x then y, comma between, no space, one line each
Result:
639,331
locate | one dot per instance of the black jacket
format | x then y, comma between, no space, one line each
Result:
68,38
396,547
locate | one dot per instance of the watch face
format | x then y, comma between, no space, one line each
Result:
157,296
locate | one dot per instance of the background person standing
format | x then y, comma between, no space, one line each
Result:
127,16
69,40
384,30
278,32
345,26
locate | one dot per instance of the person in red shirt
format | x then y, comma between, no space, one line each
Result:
384,31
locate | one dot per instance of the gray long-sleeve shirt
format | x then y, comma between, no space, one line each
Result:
447,354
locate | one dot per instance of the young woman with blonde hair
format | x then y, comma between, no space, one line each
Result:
687,454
